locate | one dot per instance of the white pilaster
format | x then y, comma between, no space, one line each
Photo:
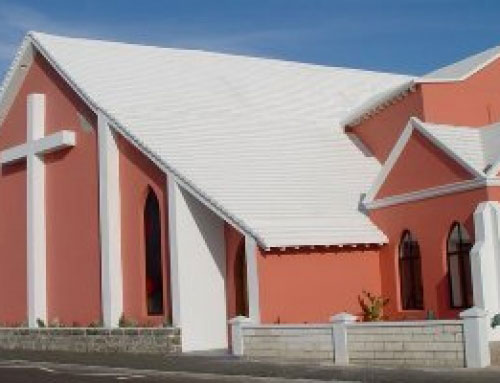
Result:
252,279
485,259
172,191
36,246
110,225
198,271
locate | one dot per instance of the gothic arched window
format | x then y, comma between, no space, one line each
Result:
154,267
459,272
410,273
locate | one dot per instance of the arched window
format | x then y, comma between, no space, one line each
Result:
410,273
154,267
459,272
240,274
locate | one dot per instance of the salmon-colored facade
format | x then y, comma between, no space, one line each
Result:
295,285
73,271
72,213
309,285
138,175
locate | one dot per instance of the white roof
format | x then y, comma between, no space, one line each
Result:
259,140
462,69
478,147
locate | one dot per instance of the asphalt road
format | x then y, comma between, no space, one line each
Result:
64,367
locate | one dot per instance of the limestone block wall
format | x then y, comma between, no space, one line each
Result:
435,343
134,340
423,343
495,353
307,342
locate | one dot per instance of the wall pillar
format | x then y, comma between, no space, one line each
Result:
197,271
340,323
252,279
110,224
485,259
237,324
477,345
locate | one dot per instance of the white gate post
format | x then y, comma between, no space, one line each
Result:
477,345
237,324
340,323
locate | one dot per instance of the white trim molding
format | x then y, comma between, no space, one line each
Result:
110,224
414,123
390,162
436,191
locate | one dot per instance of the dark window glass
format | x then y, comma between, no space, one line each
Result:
154,268
410,273
459,272
240,273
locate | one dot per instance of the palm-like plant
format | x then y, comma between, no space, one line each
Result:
372,306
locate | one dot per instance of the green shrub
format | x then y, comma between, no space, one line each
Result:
372,306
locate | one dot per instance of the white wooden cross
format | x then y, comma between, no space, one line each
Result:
33,150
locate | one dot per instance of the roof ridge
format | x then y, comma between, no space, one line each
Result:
33,34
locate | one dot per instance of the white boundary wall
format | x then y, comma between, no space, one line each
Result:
430,343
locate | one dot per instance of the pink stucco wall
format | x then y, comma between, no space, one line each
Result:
421,165
137,174
380,132
73,282
430,221
310,285
472,102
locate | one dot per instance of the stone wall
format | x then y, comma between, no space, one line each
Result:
423,343
436,343
305,342
495,353
133,340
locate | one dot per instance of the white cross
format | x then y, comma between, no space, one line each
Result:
33,150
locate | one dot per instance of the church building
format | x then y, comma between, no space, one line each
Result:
163,186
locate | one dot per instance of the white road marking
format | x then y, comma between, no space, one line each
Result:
125,373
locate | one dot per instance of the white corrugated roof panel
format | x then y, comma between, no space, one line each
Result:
260,137
479,147
463,68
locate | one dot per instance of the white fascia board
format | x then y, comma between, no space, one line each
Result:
494,169
433,192
375,103
166,168
450,152
423,80
390,162
14,76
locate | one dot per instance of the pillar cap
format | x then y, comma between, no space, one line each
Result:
343,318
240,319
474,312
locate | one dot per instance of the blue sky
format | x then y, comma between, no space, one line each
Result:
404,36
